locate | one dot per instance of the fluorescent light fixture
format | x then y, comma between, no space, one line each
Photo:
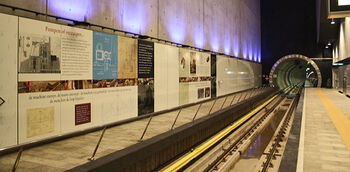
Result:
338,64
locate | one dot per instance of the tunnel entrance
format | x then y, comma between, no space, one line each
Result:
295,69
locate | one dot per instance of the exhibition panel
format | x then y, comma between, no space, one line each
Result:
71,79
226,75
195,76
236,75
8,87
166,78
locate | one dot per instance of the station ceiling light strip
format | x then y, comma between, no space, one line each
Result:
199,150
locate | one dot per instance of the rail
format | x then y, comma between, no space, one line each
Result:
279,137
232,146
205,146
178,165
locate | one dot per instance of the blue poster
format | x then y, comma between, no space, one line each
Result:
105,62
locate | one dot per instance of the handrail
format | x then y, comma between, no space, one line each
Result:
15,165
177,116
97,146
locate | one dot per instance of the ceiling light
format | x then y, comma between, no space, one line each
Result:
329,43
326,46
332,22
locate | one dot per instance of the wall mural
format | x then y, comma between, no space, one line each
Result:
71,79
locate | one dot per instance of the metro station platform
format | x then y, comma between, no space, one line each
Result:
323,122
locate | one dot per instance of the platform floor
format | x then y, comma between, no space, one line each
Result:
325,131
66,154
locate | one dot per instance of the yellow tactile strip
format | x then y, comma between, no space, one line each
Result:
340,121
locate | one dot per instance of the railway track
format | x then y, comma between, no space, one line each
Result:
223,150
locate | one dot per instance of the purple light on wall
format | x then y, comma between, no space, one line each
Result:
245,51
175,22
259,58
74,10
214,43
133,18
227,47
199,39
250,53
255,55
236,46
176,31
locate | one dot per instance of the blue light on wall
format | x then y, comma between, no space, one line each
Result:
177,32
199,39
176,23
250,53
227,47
214,43
236,46
134,16
255,55
245,51
74,10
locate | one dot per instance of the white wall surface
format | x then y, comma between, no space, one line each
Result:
8,79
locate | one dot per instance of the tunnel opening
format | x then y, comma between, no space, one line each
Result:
294,70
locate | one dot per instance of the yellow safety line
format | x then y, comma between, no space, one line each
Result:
199,150
340,121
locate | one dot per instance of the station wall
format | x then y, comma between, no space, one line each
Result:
57,79
226,26
341,51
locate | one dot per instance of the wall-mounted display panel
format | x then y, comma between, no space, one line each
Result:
145,61
236,75
68,79
53,52
195,76
105,56
227,75
127,58
71,79
166,79
8,80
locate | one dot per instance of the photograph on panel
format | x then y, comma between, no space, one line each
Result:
200,93
39,54
207,92
40,121
193,65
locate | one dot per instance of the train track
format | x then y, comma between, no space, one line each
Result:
221,155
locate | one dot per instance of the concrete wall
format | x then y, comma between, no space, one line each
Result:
228,26
341,50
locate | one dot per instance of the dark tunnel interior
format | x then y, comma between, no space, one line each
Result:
294,71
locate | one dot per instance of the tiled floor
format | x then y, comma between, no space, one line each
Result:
324,147
69,153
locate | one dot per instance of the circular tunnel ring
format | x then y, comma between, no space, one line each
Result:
296,56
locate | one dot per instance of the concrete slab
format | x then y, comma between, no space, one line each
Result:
324,148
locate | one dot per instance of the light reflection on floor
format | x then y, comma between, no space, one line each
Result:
251,157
